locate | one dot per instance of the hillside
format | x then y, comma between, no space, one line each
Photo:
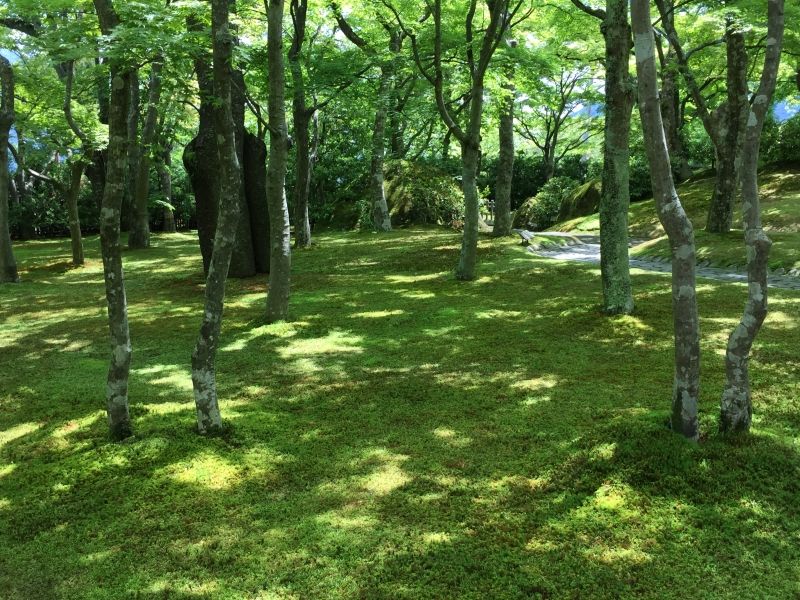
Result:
780,188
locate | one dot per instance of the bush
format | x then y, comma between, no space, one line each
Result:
541,211
420,194
789,140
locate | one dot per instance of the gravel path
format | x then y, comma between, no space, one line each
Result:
586,248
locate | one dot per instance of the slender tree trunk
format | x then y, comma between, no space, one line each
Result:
615,195
280,233
673,218
117,389
470,154
27,231
165,178
737,404
731,124
204,381
505,165
8,264
302,118
73,191
380,209
133,150
140,220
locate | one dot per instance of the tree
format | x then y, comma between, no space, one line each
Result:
280,232
737,403
724,126
505,162
615,194
117,389
686,388
501,15
209,419
8,265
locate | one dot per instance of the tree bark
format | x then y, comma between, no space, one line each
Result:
380,209
139,236
302,118
209,419
165,179
737,404
8,264
505,162
615,194
255,188
732,117
673,218
73,191
134,151
280,232
117,389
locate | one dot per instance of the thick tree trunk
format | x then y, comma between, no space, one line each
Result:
133,150
280,232
209,419
255,189
732,120
505,165
673,218
8,264
380,209
737,405
140,219
73,191
165,179
615,196
243,263
117,389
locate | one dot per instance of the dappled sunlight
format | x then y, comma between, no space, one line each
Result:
377,314
18,431
207,470
335,342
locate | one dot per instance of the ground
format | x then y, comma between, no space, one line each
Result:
780,189
405,436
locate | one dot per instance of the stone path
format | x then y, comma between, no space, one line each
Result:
586,248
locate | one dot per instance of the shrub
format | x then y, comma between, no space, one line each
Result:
421,194
541,211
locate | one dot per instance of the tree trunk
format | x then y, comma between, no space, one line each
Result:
673,218
73,191
117,389
615,195
204,382
505,165
732,120
165,179
280,232
470,152
302,119
8,264
380,209
134,151
255,191
27,231
140,220
737,405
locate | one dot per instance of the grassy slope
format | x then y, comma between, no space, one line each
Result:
407,436
781,213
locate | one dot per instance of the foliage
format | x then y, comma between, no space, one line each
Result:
541,211
418,194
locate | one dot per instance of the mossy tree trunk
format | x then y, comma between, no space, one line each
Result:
163,165
8,264
73,191
117,388
140,219
133,150
280,233
686,387
209,419
737,404
615,194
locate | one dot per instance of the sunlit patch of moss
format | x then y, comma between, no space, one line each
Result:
377,314
18,431
207,470
335,342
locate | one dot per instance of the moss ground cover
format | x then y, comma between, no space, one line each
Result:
405,436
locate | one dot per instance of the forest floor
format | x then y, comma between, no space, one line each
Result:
780,196
404,436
